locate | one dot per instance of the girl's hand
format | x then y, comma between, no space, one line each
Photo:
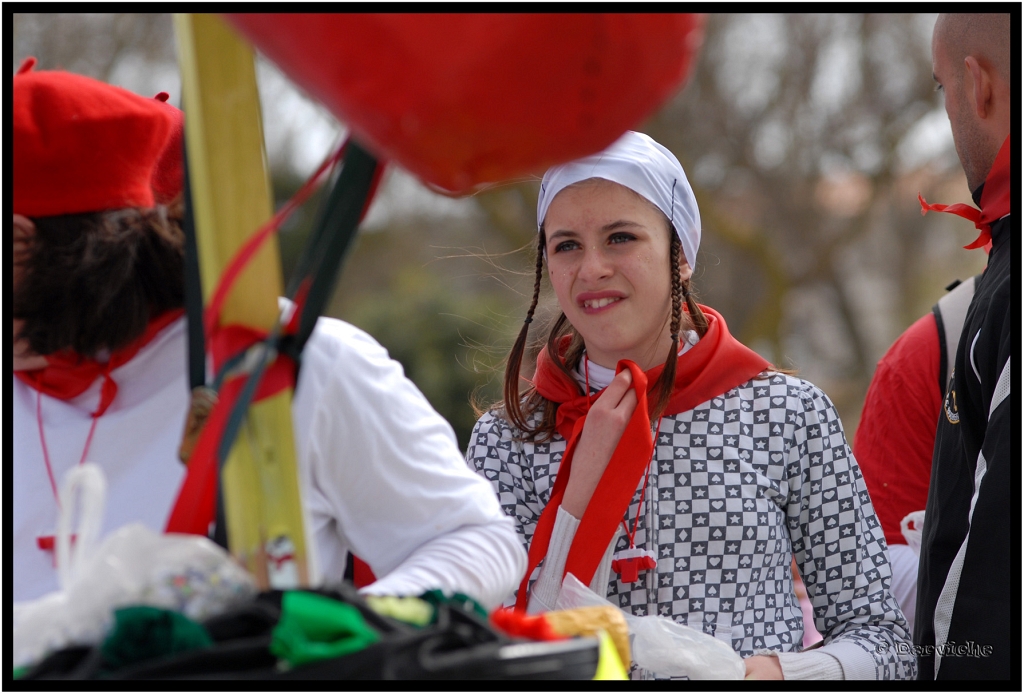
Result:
763,667
605,424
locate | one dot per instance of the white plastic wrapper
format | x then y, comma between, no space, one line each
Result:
132,566
661,646
674,650
912,526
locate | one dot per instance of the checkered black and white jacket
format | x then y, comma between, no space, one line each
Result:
739,486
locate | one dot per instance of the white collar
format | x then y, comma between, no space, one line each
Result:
601,376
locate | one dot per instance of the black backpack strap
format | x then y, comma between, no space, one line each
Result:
196,333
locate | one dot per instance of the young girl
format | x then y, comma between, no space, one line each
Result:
665,464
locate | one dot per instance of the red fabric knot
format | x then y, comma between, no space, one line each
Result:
995,200
196,504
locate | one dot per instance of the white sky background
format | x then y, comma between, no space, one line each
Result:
749,72
300,133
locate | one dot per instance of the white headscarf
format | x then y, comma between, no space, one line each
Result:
645,167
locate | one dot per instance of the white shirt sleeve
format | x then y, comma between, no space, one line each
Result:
904,580
809,665
545,591
385,478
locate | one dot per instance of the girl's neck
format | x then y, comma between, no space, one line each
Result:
600,375
646,357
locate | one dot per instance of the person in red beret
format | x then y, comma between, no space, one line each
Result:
100,347
97,303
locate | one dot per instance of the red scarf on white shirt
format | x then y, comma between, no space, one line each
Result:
67,375
717,363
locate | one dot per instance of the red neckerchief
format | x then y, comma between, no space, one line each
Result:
67,375
717,363
995,200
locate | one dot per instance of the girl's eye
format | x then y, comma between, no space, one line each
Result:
621,237
938,87
566,246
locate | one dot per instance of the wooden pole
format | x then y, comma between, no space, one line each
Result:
231,199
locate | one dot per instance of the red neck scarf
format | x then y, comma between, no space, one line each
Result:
717,363
68,375
995,200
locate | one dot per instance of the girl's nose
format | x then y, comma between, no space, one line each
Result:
594,265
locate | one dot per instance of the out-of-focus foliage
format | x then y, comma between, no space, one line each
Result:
444,358
424,293
806,139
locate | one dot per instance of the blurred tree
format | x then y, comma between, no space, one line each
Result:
93,44
794,131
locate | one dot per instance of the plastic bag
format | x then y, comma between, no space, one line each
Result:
661,645
912,526
132,566
667,648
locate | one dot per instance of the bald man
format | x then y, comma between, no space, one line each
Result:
968,581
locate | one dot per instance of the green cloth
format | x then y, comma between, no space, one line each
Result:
141,633
20,672
461,600
313,627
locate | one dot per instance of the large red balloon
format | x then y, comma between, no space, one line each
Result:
465,99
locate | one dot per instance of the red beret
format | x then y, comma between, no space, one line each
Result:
83,146
169,175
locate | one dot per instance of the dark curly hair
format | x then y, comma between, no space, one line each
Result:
92,282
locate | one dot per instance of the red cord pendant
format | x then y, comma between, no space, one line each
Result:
48,543
628,563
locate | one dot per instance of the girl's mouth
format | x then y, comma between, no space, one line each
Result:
600,303
591,304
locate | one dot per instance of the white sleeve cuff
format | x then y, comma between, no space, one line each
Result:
599,584
810,665
544,593
482,561
548,586
857,663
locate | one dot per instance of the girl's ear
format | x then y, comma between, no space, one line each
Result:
685,271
